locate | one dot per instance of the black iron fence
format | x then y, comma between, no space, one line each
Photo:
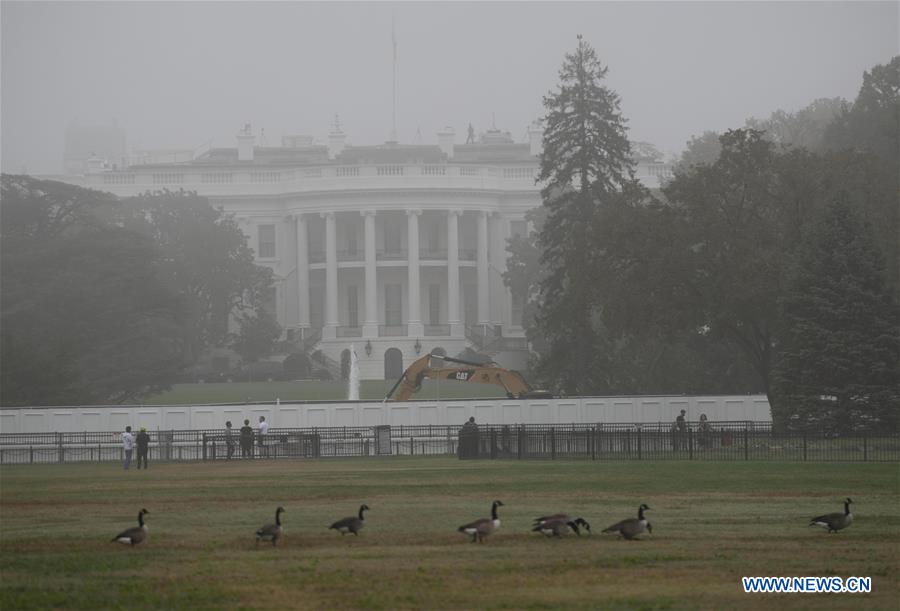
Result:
724,441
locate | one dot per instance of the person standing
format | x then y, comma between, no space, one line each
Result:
261,436
246,439
229,440
143,447
681,431
127,446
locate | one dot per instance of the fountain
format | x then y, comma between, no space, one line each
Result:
353,378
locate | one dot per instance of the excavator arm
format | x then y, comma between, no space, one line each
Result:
465,371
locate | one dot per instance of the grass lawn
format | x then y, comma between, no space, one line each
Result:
310,390
712,524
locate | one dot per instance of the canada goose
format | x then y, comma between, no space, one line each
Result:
554,518
479,529
632,527
558,528
835,521
271,531
563,517
135,534
352,524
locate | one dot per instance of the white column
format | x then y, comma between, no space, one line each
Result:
484,303
370,323
414,320
456,327
302,272
331,285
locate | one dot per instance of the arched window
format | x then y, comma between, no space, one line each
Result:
393,364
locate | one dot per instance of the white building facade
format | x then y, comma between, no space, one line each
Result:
396,249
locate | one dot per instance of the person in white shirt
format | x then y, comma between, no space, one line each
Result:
128,446
261,435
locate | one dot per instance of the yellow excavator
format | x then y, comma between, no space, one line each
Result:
431,366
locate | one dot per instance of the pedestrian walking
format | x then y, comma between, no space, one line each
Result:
261,436
229,440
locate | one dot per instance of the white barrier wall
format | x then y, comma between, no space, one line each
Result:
358,413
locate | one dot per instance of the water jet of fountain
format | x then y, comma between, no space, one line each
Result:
353,378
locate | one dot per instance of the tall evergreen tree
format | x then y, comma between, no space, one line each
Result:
838,367
587,169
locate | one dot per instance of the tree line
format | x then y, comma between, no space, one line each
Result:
106,300
767,263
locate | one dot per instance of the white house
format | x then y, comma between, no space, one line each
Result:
397,249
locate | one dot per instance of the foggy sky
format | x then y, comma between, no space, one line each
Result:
177,74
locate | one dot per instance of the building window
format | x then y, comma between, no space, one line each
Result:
266,248
434,304
352,246
352,306
392,238
393,305
470,304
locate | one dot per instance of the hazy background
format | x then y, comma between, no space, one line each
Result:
178,74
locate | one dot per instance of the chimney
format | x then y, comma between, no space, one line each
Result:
445,140
336,140
536,138
245,143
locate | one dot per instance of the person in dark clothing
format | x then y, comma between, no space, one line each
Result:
681,431
229,440
143,447
468,439
246,439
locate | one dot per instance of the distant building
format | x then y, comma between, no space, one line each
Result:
398,249
106,145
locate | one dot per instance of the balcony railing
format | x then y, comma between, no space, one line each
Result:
392,330
437,330
434,254
349,331
391,255
350,255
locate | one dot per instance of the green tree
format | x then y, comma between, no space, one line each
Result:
805,128
838,365
258,333
588,172
207,263
868,134
85,317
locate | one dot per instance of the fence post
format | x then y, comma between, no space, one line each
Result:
203,449
865,447
552,443
746,443
493,444
804,446
690,435
593,443
31,454
61,453
520,446
412,448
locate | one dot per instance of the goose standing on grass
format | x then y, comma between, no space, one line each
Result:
272,532
560,527
353,524
479,529
632,527
135,534
835,521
